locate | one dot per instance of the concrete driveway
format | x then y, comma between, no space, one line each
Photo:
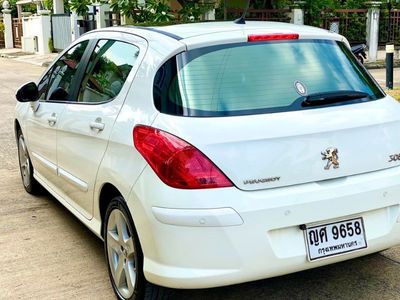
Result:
46,253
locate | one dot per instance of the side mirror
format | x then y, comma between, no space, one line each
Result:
28,92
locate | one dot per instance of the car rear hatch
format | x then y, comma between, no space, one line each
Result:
273,150
246,109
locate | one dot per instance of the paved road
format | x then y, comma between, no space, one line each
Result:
380,76
45,253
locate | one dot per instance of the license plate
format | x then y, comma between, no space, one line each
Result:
335,238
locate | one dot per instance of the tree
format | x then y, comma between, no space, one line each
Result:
80,7
151,11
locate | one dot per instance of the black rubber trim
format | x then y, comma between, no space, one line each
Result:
76,83
171,35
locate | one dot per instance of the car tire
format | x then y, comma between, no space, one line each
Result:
25,166
124,256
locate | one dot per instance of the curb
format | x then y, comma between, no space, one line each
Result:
23,59
7,56
32,62
380,64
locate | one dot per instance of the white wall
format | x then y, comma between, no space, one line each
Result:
8,28
37,26
100,17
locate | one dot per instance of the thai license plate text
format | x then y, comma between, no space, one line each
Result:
335,238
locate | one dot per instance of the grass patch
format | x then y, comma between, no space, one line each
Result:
395,93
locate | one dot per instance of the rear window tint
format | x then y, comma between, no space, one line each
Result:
250,78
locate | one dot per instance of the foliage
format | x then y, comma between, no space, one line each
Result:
126,7
152,24
139,14
76,53
102,79
193,10
354,4
150,11
50,45
1,26
48,4
159,11
389,31
395,93
239,3
13,7
357,31
80,7
314,8
321,13
281,3
314,17
29,8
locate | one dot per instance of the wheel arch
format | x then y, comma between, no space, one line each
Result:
107,193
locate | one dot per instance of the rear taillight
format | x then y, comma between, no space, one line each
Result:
177,163
272,37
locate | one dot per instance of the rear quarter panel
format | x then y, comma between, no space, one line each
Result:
122,163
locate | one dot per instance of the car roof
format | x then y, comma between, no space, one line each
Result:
195,35
191,30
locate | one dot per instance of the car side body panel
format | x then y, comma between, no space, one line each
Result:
81,147
137,109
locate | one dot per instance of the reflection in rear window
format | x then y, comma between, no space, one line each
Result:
252,78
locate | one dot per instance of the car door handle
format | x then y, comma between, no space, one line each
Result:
97,125
52,119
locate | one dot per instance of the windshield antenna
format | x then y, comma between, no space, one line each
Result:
242,20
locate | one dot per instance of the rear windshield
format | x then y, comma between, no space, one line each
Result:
252,78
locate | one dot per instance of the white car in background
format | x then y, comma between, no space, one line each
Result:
218,153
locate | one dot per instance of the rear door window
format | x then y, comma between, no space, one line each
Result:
261,77
107,70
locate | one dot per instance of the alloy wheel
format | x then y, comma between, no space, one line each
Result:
24,162
121,254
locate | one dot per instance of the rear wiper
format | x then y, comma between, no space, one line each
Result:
332,97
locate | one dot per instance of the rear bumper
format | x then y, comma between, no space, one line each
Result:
216,237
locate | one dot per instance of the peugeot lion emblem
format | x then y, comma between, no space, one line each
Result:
332,157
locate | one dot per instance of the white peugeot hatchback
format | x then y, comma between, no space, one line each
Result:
212,154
